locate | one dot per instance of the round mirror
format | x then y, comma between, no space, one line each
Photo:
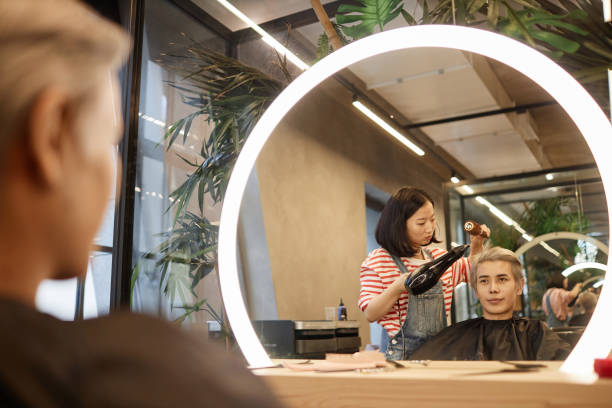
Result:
298,218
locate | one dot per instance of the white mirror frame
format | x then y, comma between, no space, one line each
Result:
551,236
578,103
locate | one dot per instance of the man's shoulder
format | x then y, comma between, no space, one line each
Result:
141,336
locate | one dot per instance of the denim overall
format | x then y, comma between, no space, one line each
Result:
552,320
425,317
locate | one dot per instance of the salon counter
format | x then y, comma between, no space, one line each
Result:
440,384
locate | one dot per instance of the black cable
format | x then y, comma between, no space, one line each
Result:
399,320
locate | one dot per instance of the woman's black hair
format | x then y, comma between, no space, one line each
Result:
391,231
555,281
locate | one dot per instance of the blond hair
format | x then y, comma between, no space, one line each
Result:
498,254
45,43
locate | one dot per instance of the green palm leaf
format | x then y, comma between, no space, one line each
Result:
370,14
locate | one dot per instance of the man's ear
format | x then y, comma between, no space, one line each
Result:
521,284
46,128
476,293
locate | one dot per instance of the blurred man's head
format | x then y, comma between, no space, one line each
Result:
588,300
497,279
60,125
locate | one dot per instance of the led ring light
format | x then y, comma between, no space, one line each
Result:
578,104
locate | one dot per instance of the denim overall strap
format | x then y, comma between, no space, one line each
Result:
425,317
552,320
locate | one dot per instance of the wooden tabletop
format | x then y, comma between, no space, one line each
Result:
471,384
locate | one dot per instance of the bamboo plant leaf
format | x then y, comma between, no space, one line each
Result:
408,17
493,13
323,47
556,41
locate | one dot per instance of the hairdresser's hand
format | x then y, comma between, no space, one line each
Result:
381,304
576,289
397,287
477,241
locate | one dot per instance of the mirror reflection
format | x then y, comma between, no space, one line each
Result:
485,144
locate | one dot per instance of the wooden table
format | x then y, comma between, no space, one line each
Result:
440,384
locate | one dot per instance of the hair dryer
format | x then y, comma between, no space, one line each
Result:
427,275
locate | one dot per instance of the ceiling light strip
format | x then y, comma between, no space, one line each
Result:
388,128
268,39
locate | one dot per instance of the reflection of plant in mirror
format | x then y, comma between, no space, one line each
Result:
551,215
541,217
232,97
504,236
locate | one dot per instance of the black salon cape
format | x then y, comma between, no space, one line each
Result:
481,339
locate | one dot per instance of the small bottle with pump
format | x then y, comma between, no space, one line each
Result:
341,311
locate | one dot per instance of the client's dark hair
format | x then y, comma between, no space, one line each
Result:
555,281
391,231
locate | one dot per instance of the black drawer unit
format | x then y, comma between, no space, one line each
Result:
307,338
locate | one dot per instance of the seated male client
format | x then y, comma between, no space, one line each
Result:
60,126
499,335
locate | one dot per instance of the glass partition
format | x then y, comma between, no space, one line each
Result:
526,207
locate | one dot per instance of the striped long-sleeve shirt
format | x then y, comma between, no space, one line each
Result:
378,272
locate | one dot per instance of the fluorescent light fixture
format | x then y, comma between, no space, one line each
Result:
594,125
527,237
467,189
502,216
550,249
549,176
454,244
388,128
271,41
482,201
454,179
583,265
499,214
519,228
495,211
598,284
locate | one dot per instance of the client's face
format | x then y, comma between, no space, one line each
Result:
497,289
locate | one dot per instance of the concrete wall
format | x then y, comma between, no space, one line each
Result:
311,175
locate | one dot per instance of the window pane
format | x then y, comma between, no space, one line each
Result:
57,298
168,35
97,285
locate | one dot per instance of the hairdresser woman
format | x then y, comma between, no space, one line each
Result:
405,231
